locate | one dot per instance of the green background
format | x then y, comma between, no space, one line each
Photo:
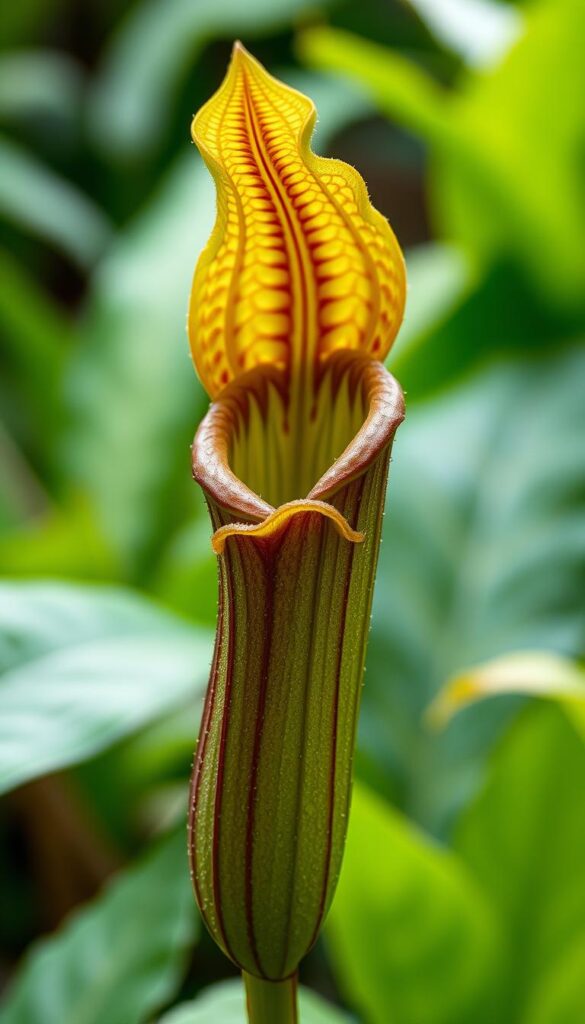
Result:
462,898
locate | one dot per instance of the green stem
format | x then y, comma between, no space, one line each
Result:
271,1002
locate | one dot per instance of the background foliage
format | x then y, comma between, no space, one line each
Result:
462,897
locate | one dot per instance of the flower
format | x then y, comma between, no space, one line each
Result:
296,300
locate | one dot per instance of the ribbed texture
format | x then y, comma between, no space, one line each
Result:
296,299
272,776
299,264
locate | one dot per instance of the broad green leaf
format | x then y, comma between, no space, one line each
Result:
150,55
37,200
117,960
483,553
225,1004
524,839
411,936
80,667
495,188
528,673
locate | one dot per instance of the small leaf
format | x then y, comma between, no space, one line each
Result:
118,959
225,1004
411,937
82,667
529,673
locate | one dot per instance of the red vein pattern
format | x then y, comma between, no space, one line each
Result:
299,264
296,299
269,811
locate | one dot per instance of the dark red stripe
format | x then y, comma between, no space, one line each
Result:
333,763
323,526
278,188
200,756
202,745
267,555
231,622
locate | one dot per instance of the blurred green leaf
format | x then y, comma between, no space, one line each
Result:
225,1004
39,82
483,552
524,839
559,997
496,188
521,191
81,667
21,493
439,277
411,936
58,541
37,200
117,960
151,53
133,393
529,673
497,310
398,86
25,20
34,337
187,577
480,30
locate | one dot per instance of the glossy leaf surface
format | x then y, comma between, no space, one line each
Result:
406,910
83,667
118,959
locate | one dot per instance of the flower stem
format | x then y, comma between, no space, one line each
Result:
271,1002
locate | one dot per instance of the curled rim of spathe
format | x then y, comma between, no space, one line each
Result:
211,446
